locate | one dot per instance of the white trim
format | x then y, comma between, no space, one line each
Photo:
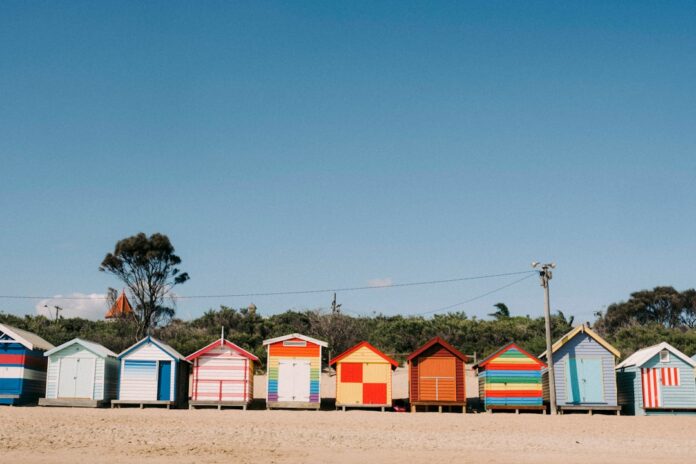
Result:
30,340
640,357
270,341
95,348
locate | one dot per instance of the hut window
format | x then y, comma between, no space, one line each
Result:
664,356
294,343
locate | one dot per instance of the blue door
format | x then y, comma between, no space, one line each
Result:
164,380
584,380
592,378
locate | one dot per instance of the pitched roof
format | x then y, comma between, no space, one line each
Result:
121,307
161,345
95,348
270,341
504,349
221,342
441,342
582,329
640,357
29,340
368,346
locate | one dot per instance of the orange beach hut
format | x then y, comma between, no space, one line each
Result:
436,376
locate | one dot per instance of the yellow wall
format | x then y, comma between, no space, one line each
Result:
375,370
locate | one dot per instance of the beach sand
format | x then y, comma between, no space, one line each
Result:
57,435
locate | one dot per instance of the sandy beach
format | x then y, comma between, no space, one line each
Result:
55,435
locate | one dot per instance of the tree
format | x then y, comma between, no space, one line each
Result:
148,267
502,313
661,305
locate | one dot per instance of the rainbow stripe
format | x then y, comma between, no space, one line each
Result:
512,378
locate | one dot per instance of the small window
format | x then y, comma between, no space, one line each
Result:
664,356
294,343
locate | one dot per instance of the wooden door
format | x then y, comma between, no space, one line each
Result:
293,380
437,379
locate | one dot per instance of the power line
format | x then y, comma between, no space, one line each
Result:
292,292
476,297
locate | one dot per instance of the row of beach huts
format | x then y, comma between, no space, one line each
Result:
655,380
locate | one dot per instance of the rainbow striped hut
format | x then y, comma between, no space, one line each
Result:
22,365
510,379
294,372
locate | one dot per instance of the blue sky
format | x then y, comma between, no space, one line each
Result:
301,145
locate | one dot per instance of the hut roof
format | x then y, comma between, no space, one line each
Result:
121,307
640,357
29,340
95,348
270,341
505,348
582,329
221,342
161,345
368,346
441,342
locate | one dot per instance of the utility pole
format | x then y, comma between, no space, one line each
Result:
57,308
334,307
545,275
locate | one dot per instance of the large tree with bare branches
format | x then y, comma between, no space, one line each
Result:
149,268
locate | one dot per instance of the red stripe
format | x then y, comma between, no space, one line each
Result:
656,389
12,359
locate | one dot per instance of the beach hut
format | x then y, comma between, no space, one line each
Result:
22,366
152,374
293,371
511,379
80,373
436,376
657,380
363,377
222,375
583,365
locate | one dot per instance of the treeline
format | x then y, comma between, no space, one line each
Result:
647,318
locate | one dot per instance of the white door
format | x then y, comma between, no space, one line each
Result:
293,380
301,370
76,378
84,381
66,378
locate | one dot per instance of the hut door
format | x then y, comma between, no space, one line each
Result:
437,379
293,380
164,380
584,380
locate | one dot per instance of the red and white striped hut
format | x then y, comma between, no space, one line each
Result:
222,375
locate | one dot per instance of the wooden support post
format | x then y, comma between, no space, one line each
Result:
383,409
219,407
343,408
439,408
413,408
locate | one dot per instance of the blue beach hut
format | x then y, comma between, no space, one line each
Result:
657,380
584,372
152,373
22,366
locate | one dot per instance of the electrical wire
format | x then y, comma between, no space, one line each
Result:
293,292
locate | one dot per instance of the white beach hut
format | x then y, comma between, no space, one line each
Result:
80,373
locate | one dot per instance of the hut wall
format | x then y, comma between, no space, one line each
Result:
512,379
222,374
139,379
284,351
73,352
584,346
22,373
373,379
629,391
436,352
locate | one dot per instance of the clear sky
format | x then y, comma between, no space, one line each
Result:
302,145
